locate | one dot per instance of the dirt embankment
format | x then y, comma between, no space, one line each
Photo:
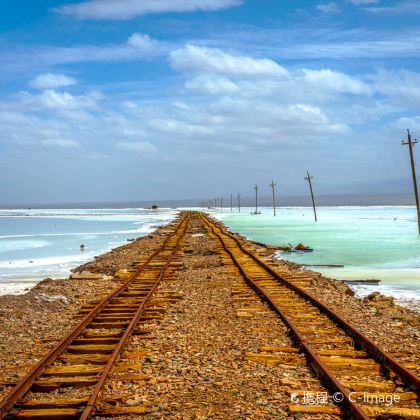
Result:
199,365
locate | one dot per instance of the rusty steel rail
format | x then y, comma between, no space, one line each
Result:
320,367
24,385
115,355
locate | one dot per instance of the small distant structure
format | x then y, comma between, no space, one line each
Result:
155,207
298,248
82,247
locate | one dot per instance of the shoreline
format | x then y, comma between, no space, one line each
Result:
409,303
403,292
32,270
110,261
412,304
90,264
32,323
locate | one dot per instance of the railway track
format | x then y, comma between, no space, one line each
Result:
67,382
364,380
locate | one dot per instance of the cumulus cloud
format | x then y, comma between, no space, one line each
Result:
340,82
59,101
328,7
129,9
143,42
401,88
212,60
52,81
211,84
253,107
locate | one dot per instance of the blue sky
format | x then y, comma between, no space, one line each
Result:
167,99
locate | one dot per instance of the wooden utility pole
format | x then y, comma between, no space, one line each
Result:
411,144
272,185
256,199
231,202
239,202
309,179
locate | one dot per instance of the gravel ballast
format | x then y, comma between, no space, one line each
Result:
197,366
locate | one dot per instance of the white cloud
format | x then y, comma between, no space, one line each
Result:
401,88
404,122
340,82
129,9
143,42
181,105
212,60
180,127
211,84
52,81
136,47
328,7
59,101
255,108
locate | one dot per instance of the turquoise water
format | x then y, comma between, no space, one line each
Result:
371,242
35,244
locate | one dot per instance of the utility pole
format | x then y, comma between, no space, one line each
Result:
411,144
221,203
215,203
231,202
256,199
309,179
239,202
272,185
